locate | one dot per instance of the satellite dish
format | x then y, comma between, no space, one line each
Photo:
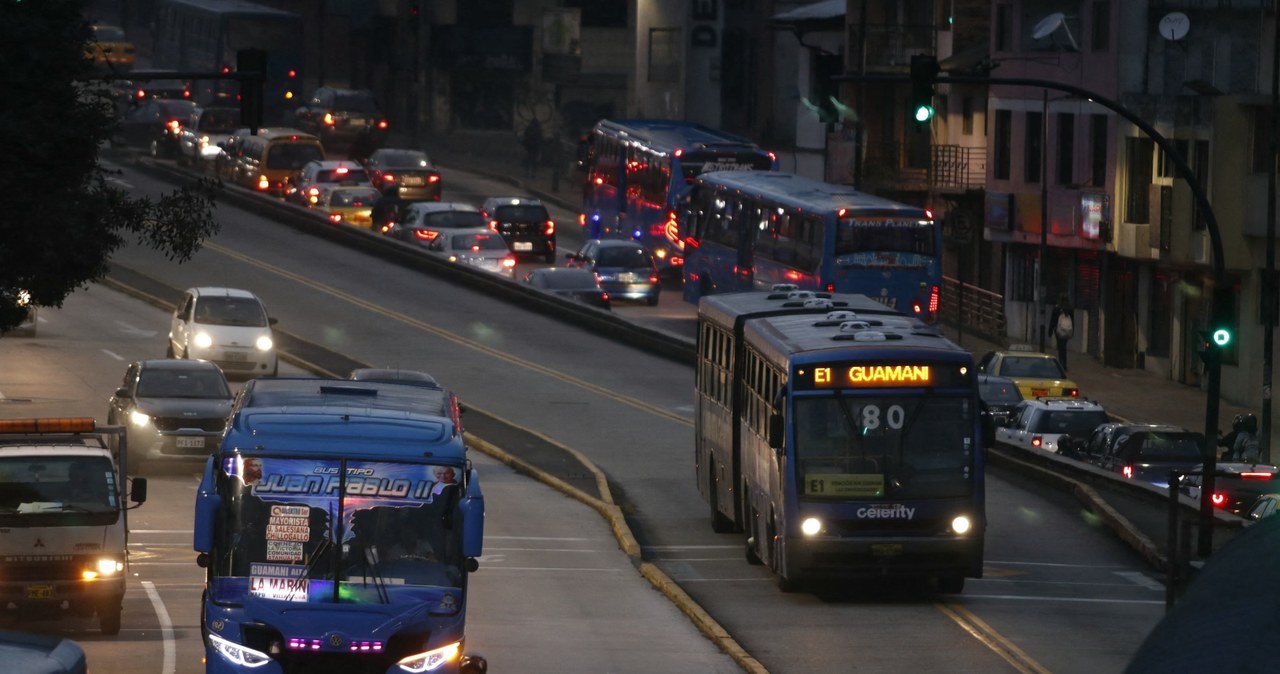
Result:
1047,25
1050,24
1174,26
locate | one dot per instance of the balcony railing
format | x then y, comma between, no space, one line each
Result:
936,167
982,312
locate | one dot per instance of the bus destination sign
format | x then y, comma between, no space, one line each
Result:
847,375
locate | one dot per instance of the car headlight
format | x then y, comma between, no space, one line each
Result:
431,660
139,419
264,343
238,654
961,524
109,567
811,526
203,340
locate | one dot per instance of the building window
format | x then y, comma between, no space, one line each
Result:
1004,138
1034,144
1098,150
1100,34
966,115
1066,156
1138,156
1004,28
1165,166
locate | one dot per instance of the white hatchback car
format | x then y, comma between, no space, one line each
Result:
227,326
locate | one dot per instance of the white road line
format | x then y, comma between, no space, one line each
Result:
1081,600
1141,579
166,627
113,355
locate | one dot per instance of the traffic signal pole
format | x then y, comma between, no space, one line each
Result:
1214,375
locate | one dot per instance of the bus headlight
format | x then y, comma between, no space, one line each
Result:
431,660
264,343
961,525
238,654
203,340
139,419
811,526
109,567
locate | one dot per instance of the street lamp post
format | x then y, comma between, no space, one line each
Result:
1042,320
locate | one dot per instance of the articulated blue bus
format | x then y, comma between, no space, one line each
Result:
843,438
338,524
749,230
636,170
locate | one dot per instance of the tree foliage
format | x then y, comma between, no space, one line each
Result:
60,218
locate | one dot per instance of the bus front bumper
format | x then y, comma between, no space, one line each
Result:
884,556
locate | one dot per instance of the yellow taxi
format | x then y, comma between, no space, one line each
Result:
1038,375
352,205
109,48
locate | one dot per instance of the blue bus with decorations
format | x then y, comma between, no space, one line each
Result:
841,437
338,524
637,169
754,229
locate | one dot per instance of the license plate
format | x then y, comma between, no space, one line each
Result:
413,180
1039,392
522,245
238,356
358,122
191,443
39,591
626,277
886,549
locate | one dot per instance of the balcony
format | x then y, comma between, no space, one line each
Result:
935,168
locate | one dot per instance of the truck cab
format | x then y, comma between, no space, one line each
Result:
64,519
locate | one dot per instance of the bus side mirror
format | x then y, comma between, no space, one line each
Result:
472,508
207,504
138,490
776,432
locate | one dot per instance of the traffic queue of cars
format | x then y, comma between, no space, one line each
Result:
1028,404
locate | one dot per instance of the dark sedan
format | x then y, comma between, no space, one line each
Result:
409,170
174,409
574,284
1236,486
624,268
1145,452
156,126
998,396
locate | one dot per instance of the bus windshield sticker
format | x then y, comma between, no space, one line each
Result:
282,582
842,485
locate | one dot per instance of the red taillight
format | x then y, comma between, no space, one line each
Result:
342,170
550,229
313,192
263,183
1218,499
653,279
604,296
691,243
335,217
676,261
426,234
387,177
382,124
508,263
1255,475
433,179
916,307
1073,392
328,118
293,73
928,213
1037,441
599,181
186,94
173,125
140,94
793,275
933,301
1127,471
493,225
831,287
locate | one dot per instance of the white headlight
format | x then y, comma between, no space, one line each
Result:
139,419
109,567
811,526
238,654
431,660
264,343
961,524
203,340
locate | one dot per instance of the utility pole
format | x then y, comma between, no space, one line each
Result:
1041,318
1267,293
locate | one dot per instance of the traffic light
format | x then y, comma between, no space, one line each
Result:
1222,329
252,64
924,69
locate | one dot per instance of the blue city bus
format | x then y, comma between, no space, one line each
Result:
751,230
204,36
637,169
338,524
841,437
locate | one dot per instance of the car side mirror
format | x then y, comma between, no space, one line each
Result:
138,490
122,392
272,320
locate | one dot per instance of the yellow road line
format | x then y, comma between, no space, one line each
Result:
992,639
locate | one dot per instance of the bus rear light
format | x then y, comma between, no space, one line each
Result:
549,229
831,287
793,275
263,183
811,526
933,301
599,181
961,524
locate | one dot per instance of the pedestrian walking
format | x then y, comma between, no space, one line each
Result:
532,141
1063,322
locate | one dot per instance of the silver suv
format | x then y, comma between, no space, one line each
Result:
1039,425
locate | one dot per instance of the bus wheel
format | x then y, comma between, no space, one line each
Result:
719,523
953,584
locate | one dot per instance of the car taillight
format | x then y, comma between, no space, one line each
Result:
1036,441
550,228
1127,471
493,225
1073,392
508,263
335,217
174,125
1218,499
387,177
426,234
604,296
263,183
382,124
1255,475
140,94
433,179
342,170
653,279
916,307
328,118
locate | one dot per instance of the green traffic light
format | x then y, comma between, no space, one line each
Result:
923,113
1222,336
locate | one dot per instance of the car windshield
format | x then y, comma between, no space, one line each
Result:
404,160
1035,368
478,242
999,391
1170,446
617,256
521,213
245,311
453,219
354,198
57,489
568,280
882,448
295,530
203,383
355,101
1078,423
293,155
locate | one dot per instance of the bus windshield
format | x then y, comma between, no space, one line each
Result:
885,242
884,447
694,164
294,531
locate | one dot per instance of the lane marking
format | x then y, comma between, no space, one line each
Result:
496,354
1142,580
112,354
166,627
991,639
